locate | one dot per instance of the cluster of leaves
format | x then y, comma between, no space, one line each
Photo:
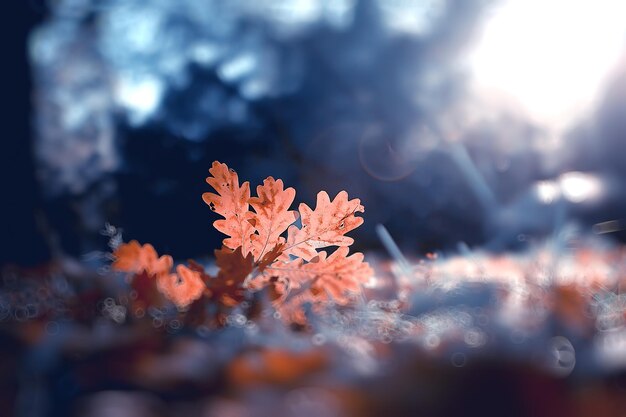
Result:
263,249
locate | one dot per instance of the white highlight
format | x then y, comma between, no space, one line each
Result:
551,57
140,95
578,186
575,187
548,191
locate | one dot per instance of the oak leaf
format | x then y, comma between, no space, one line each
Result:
135,258
332,277
256,252
227,287
270,257
182,288
324,226
271,215
145,291
151,271
290,263
231,202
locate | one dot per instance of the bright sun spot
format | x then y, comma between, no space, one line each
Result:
578,186
550,56
575,187
547,191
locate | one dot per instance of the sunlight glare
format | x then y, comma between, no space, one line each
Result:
550,57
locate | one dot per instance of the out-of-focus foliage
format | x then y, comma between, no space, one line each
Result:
495,332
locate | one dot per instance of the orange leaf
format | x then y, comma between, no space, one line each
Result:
231,202
133,257
254,248
127,257
324,226
145,289
146,265
234,268
271,215
291,308
270,257
275,366
328,278
181,288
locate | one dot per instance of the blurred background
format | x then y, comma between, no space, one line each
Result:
486,136
491,123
